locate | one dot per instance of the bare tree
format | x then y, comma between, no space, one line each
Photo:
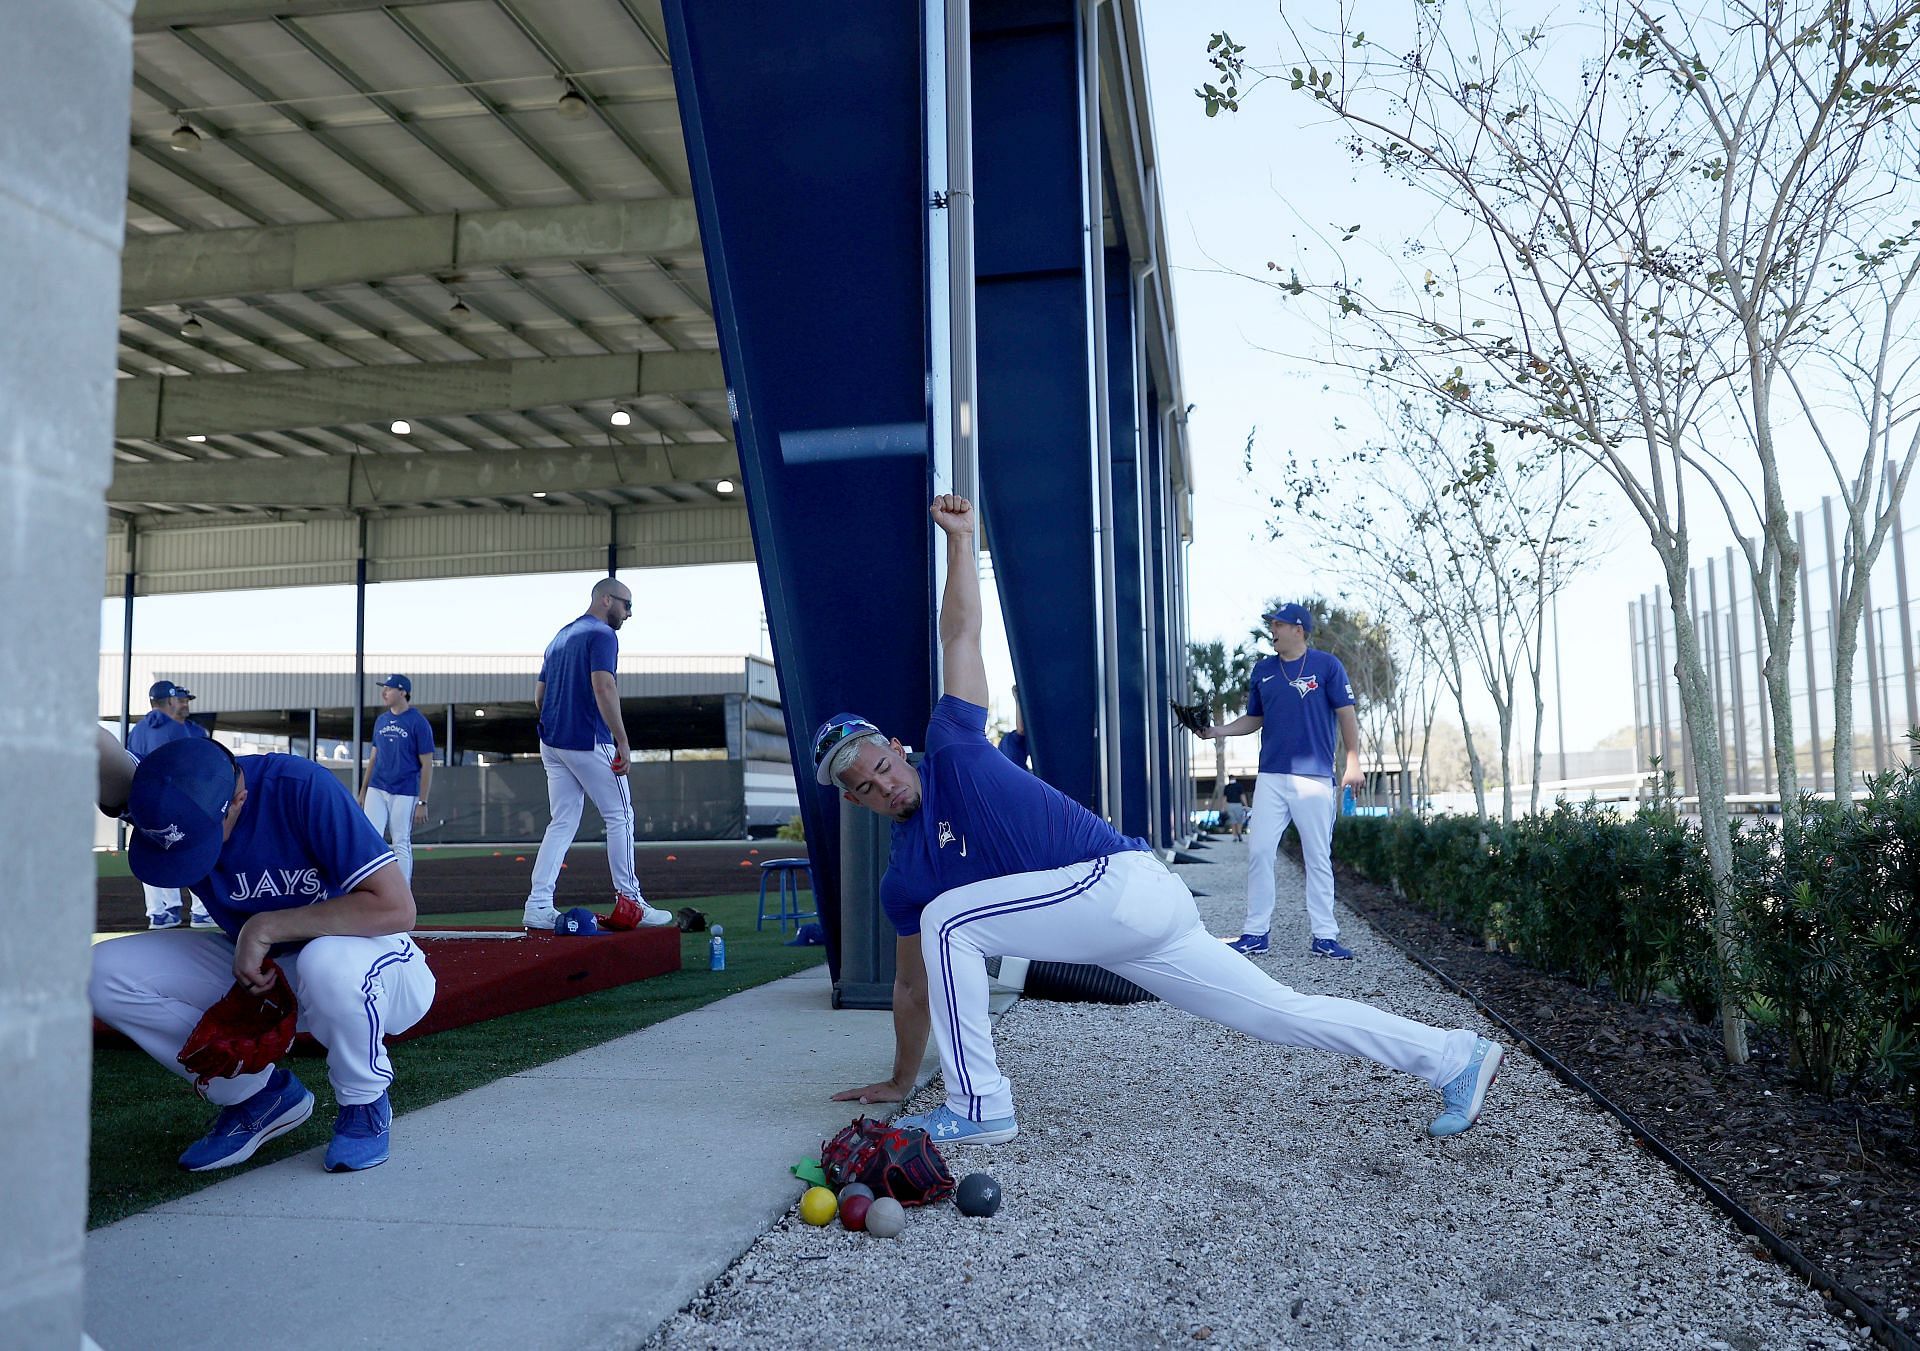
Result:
1632,269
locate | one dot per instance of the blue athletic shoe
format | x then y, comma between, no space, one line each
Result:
1251,943
166,919
241,1129
948,1127
1467,1091
1329,947
360,1135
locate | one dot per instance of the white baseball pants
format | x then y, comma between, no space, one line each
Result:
1309,803
1127,913
352,993
162,899
572,777
392,816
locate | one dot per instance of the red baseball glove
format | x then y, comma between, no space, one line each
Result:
903,1164
243,1032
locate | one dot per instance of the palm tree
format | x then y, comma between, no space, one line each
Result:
1220,684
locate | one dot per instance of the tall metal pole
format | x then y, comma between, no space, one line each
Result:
1665,678
1639,704
1710,622
1873,683
1559,699
449,735
1813,670
1733,675
1906,614
1763,695
126,658
360,656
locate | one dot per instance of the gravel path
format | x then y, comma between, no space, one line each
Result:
1178,1183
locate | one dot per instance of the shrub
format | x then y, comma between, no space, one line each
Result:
795,829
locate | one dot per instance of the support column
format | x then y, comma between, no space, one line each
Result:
360,659
1906,617
1038,445
813,208
1639,704
1763,696
1168,735
65,70
449,737
313,734
1813,669
1134,744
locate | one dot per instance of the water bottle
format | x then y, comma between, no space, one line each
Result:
717,949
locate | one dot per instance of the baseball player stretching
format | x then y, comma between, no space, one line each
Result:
990,861
583,744
1293,700
167,722
290,869
399,770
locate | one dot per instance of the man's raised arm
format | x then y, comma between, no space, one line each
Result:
963,670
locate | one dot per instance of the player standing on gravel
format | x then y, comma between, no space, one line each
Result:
167,722
990,861
291,869
1293,700
583,744
399,771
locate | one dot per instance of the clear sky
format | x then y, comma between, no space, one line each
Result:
1239,190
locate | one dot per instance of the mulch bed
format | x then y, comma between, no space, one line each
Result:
1839,1179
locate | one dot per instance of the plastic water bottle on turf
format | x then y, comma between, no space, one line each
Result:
717,949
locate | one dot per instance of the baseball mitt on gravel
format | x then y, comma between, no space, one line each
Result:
903,1164
243,1032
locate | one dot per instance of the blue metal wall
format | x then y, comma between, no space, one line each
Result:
804,128
1033,267
1129,592
1161,557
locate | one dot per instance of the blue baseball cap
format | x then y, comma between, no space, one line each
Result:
177,807
166,689
398,682
578,920
834,743
1291,614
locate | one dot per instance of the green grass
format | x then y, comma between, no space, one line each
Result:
143,1116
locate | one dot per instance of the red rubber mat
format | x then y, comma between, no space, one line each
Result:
482,978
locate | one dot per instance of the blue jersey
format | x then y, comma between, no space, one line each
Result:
399,740
301,838
1298,698
569,717
982,816
156,730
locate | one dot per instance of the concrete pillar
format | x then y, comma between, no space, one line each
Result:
65,70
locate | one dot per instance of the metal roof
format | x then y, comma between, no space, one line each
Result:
346,212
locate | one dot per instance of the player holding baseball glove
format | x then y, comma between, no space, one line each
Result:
990,861
313,914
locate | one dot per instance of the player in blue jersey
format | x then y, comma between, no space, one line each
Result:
399,770
988,860
167,722
291,869
1294,700
583,744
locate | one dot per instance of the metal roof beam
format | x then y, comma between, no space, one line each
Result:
343,482
207,405
152,16
164,269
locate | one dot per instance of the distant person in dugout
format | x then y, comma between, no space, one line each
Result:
1236,796
166,722
1014,744
399,770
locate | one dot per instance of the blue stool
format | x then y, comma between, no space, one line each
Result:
787,870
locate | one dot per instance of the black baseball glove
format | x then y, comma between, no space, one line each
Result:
1193,717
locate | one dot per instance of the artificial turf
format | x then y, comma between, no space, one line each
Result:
143,1116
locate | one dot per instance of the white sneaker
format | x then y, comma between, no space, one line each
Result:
202,920
541,916
653,917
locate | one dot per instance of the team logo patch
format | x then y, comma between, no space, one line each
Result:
165,836
1305,684
946,834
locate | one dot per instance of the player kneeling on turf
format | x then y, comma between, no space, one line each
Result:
308,897
990,861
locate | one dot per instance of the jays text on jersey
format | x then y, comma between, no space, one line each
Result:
982,816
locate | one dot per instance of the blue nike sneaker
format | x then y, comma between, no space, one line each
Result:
240,1130
1249,944
1329,947
1467,1091
360,1136
948,1127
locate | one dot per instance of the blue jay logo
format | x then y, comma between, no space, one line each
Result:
166,836
1305,684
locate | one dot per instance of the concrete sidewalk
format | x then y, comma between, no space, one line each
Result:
574,1205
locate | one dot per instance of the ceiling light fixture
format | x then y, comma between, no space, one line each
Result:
191,328
725,485
196,438
459,313
539,494
573,104
479,712
400,427
184,138
621,417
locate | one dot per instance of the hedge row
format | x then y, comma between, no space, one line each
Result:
1826,914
